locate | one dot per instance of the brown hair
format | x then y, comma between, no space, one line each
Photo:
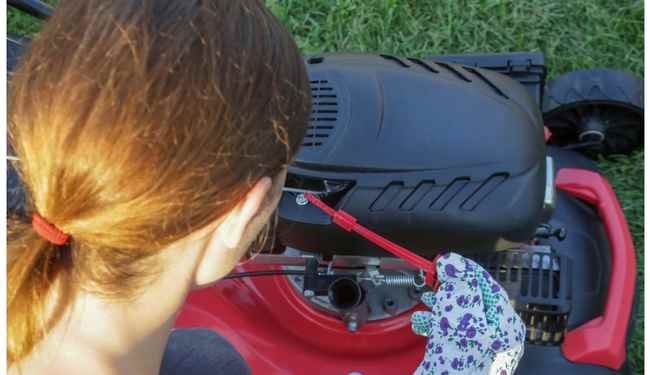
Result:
135,124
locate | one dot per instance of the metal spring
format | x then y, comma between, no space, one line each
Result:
400,280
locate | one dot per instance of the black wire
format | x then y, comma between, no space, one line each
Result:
239,275
262,273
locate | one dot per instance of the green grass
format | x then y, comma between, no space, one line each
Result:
572,34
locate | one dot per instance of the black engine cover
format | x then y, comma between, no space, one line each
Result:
431,155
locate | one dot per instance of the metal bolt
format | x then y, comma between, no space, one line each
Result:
301,200
351,322
308,293
352,326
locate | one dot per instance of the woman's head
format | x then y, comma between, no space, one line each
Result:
138,124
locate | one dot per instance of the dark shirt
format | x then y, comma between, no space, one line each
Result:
199,351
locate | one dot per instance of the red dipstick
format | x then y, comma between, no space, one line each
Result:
349,223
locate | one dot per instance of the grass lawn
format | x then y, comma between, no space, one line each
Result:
572,34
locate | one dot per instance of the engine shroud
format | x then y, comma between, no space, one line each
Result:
431,155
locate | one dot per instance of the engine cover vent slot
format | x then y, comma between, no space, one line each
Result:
416,196
423,64
486,81
315,60
395,59
324,114
387,196
453,71
450,192
482,192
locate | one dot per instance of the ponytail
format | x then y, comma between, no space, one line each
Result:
34,264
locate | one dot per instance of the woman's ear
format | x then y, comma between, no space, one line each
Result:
232,229
226,244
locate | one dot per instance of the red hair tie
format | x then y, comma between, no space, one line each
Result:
48,231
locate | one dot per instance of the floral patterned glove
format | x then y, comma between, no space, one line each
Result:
471,328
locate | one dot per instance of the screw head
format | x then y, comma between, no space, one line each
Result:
390,306
301,200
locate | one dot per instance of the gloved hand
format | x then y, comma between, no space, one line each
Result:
472,327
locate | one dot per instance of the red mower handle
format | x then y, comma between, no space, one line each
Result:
602,340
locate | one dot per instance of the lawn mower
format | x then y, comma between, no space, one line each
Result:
473,153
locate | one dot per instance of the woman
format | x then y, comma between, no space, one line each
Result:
153,139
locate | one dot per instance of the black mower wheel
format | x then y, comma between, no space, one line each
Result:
595,112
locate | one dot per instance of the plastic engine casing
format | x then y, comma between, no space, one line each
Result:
431,155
